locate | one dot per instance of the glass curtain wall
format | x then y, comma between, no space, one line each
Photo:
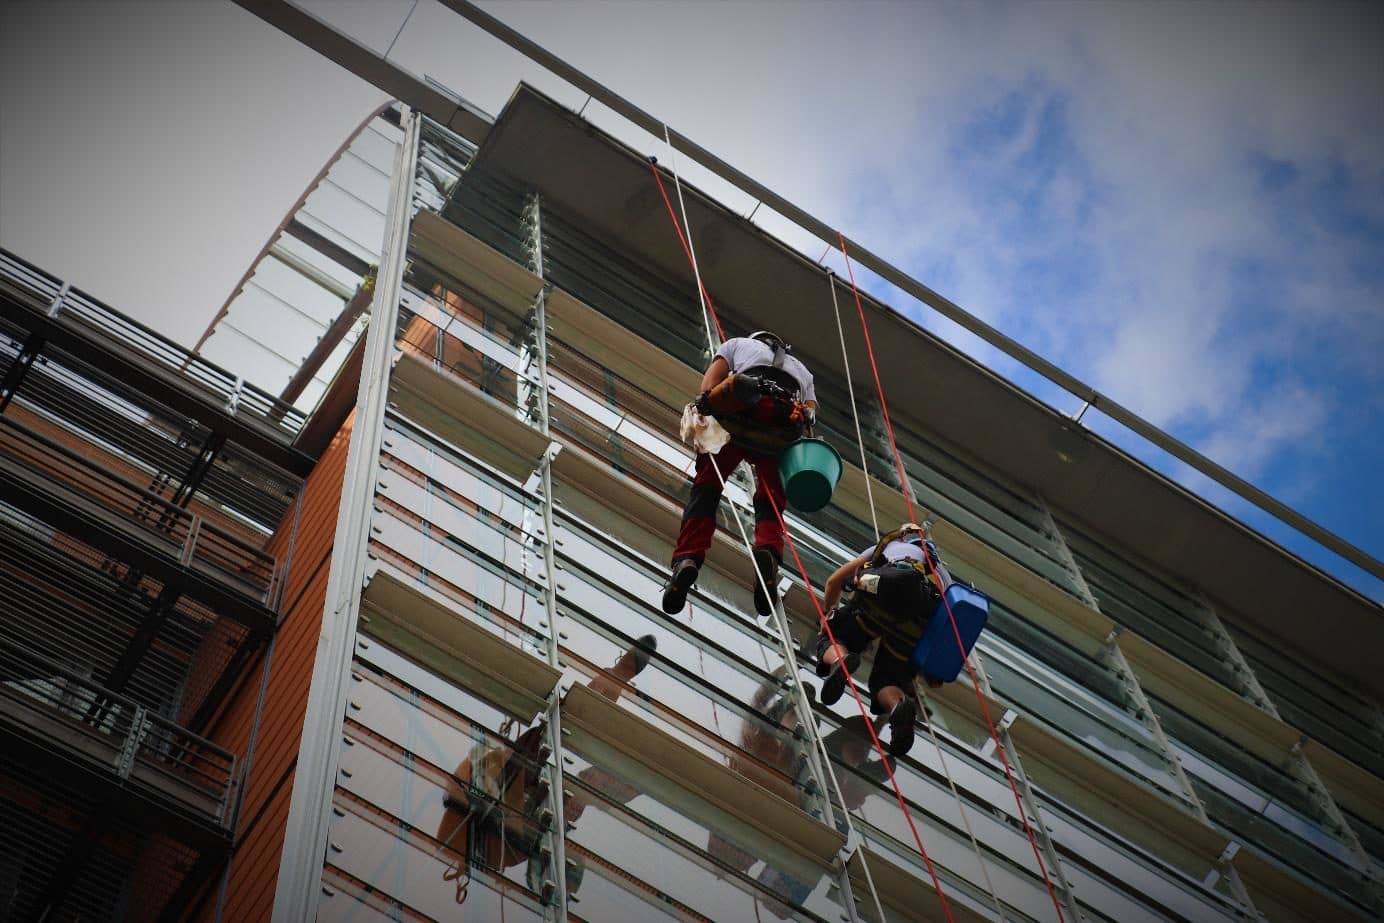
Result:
639,843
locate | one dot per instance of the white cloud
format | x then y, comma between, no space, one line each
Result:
861,113
1190,294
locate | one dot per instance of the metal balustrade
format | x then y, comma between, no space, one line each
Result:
81,313
43,473
75,718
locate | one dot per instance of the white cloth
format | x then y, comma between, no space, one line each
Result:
702,433
743,353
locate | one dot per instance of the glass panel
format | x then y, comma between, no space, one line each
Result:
627,587
1075,713
408,866
709,833
462,482
492,589
399,742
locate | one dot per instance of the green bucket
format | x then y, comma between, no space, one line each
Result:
810,469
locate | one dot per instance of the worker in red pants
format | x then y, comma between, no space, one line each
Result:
764,397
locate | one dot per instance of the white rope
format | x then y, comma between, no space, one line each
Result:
781,619
713,342
941,755
855,415
922,705
809,721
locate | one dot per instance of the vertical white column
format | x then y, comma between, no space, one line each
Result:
558,832
1129,680
1316,788
310,806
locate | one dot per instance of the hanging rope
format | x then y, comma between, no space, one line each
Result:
960,806
708,312
855,414
922,705
942,590
709,316
710,309
904,484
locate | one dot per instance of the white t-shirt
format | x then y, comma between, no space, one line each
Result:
897,551
743,353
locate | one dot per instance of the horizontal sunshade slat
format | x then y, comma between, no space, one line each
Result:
415,624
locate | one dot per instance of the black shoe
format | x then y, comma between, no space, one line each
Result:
766,566
835,683
901,722
640,652
679,582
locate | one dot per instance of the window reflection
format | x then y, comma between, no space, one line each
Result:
485,817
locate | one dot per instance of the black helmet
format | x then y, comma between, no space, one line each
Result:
769,338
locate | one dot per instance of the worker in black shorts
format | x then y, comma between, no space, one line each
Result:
891,599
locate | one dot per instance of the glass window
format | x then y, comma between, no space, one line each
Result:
407,865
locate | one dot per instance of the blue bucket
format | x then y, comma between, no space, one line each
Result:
936,655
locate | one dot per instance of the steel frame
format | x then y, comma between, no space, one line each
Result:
314,784
1129,680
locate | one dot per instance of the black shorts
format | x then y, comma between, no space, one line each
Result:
889,669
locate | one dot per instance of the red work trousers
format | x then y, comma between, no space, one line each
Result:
699,516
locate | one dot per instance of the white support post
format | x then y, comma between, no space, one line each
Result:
1299,765
1129,680
1056,873
314,782
557,909
816,752
1230,652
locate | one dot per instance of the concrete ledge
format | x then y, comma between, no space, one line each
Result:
1354,788
470,260
1189,690
1018,588
905,893
599,338
1263,875
446,642
462,414
1128,796
717,784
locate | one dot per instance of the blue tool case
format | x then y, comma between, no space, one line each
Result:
936,656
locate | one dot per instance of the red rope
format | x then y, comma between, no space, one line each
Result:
860,703
980,697
904,483
687,251
821,615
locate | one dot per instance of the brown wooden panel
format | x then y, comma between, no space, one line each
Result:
255,864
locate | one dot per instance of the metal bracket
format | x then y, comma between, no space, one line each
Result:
125,760
59,299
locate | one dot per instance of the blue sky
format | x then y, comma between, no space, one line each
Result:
1183,205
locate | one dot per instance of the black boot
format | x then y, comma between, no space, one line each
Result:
766,566
835,683
679,582
901,722
637,656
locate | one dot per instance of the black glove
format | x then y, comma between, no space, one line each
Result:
702,403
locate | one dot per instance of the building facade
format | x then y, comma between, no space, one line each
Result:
513,511
464,701
143,499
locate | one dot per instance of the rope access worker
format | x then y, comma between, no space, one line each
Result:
892,599
764,398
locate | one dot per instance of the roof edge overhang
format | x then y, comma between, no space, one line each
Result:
967,408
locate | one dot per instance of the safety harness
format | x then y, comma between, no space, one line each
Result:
898,626
759,406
